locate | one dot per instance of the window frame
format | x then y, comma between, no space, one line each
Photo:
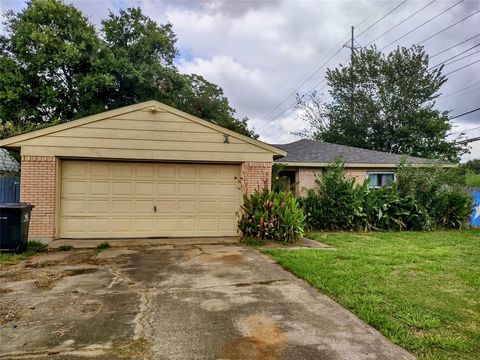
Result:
381,173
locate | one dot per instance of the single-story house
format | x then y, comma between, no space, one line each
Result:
306,159
149,170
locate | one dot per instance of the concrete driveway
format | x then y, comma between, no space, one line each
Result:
165,302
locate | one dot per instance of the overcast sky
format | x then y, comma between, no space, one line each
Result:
259,52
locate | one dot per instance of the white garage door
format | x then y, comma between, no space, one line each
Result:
101,199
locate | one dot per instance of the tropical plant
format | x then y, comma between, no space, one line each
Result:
271,216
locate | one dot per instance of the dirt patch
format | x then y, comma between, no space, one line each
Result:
10,311
264,340
47,280
5,290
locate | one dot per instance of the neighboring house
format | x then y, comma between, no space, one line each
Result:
146,170
8,165
306,159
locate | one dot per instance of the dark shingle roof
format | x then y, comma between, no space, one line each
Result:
310,151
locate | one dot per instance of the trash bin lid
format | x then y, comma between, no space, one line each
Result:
18,205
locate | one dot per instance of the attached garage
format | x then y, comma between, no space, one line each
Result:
142,171
106,199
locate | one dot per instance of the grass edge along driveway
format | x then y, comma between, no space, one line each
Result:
419,289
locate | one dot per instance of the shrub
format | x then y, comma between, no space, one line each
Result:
421,199
271,216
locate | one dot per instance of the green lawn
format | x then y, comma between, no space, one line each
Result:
420,289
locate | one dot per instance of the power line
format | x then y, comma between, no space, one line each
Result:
451,47
463,67
464,131
423,24
383,17
448,27
459,90
318,69
401,22
463,57
453,57
465,113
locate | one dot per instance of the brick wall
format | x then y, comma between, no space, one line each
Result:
358,174
256,175
37,186
306,180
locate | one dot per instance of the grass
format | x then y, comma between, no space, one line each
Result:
103,246
33,247
65,247
420,289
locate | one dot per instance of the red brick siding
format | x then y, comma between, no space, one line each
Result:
256,175
37,186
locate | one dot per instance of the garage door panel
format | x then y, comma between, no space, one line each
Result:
122,206
119,199
122,188
72,187
144,188
99,207
99,187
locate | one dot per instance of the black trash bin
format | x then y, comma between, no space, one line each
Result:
14,222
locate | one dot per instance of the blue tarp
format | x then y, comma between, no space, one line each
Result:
475,220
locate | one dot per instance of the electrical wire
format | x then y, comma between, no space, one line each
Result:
463,67
448,27
383,17
454,46
465,113
423,24
453,57
401,22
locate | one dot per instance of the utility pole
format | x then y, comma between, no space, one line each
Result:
352,86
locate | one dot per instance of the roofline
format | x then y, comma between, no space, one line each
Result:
360,165
155,105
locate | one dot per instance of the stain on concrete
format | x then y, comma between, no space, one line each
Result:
176,302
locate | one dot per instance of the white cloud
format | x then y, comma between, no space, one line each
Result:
259,51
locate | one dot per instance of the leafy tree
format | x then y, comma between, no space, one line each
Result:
49,65
473,165
385,103
55,67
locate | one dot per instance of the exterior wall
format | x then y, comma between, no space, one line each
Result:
145,135
256,175
358,174
37,187
306,179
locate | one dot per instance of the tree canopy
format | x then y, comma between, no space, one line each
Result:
55,67
385,103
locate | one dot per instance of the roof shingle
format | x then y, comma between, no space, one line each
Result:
310,151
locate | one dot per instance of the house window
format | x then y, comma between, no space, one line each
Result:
378,179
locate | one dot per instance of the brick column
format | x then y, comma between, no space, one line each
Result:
256,175
37,187
306,180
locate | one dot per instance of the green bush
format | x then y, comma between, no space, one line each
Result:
421,199
271,216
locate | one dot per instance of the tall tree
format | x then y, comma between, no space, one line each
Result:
49,65
385,103
55,67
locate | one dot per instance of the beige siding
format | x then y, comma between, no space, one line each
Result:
145,135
